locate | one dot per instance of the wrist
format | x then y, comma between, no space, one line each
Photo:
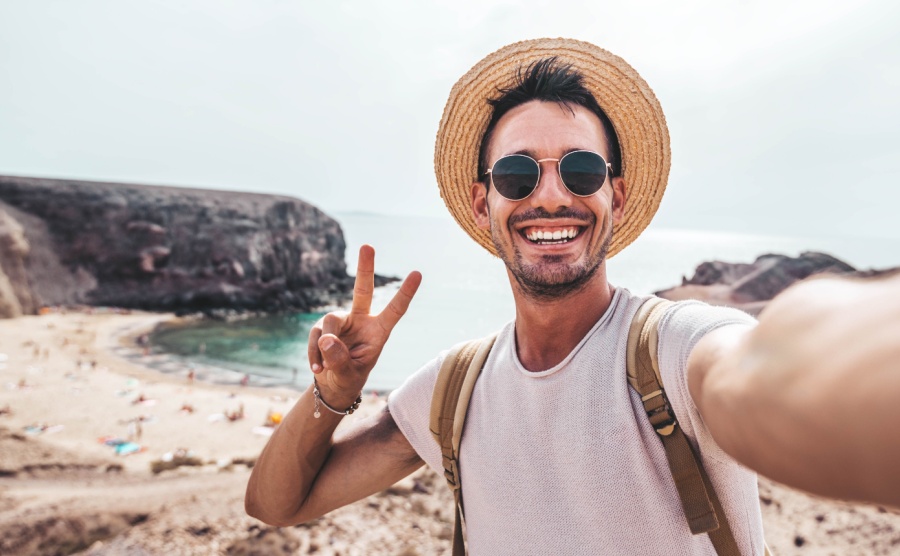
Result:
334,402
336,395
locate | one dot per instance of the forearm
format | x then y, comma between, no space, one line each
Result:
809,397
306,470
286,470
303,472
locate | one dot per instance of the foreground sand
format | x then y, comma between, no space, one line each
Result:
69,380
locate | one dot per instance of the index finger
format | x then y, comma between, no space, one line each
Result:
365,281
391,314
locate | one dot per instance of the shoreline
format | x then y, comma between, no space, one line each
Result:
79,380
62,489
128,347
207,369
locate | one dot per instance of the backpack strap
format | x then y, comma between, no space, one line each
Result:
449,403
702,508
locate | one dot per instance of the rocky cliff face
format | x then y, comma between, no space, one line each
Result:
66,242
751,286
15,295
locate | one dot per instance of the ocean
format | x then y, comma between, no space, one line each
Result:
465,293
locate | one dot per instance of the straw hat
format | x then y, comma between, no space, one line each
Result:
625,97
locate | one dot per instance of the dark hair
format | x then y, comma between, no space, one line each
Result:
550,81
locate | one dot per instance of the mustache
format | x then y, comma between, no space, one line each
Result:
540,213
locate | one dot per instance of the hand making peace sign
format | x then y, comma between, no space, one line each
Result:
344,347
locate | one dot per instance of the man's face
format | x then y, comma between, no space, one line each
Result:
549,268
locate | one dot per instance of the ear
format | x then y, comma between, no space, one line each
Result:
480,209
619,198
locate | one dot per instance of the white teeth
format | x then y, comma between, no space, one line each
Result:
556,236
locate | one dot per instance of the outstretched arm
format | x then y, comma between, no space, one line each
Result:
809,397
303,472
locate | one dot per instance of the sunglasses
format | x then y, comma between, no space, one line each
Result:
516,176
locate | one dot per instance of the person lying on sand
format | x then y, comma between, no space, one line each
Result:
553,155
236,415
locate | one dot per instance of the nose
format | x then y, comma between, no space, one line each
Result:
551,194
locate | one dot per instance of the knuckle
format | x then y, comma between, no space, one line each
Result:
334,316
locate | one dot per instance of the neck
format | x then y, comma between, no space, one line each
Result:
547,330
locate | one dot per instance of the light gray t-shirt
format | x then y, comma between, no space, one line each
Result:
564,461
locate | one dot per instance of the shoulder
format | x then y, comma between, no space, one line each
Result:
416,391
683,326
410,406
685,323
417,388
681,329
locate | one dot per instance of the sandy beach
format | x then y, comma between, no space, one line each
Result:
84,417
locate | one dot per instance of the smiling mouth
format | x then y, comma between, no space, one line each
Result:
551,235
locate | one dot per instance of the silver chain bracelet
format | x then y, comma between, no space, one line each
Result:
318,396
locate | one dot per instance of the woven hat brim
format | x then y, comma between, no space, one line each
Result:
627,99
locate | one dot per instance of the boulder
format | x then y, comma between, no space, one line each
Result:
751,286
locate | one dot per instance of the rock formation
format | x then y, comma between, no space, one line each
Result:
751,286
15,295
65,242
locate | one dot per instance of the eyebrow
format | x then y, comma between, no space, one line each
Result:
531,153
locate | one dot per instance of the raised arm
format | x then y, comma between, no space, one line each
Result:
809,397
303,472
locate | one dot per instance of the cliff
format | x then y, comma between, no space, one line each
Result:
65,242
750,286
15,295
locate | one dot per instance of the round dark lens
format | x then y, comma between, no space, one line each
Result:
583,172
515,176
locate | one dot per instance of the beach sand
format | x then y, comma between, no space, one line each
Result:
69,381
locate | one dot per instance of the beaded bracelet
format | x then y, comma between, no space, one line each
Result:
353,407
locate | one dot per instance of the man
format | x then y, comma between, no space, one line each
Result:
553,154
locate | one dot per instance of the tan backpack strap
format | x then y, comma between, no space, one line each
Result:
449,403
701,506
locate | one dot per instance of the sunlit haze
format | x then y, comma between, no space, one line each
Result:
784,116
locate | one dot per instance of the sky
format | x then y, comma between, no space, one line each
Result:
784,115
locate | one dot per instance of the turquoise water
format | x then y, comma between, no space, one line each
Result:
265,347
465,292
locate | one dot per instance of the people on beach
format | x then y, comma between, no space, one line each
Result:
553,155
135,431
273,418
236,415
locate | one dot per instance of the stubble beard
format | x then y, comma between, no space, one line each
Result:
551,278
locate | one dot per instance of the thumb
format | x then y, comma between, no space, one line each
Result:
335,354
